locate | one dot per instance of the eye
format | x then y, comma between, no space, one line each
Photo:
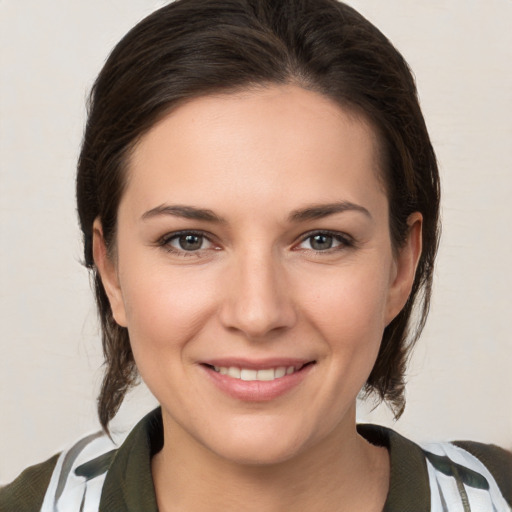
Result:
325,241
187,241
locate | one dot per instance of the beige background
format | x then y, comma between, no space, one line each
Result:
460,381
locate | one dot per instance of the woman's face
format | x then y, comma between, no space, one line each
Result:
255,271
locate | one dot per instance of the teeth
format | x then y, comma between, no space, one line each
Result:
280,372
247,374
234,372
265,374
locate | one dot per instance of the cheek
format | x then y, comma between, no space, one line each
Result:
349,309
165,306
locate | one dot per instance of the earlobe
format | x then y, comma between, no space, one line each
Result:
108,273
406,263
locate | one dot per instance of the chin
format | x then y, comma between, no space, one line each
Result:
256,454
263,444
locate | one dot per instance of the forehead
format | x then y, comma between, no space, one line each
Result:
271,141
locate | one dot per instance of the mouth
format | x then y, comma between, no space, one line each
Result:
262,375
257,382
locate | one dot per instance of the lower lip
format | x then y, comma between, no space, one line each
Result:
257,390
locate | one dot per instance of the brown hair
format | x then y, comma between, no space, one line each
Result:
191,48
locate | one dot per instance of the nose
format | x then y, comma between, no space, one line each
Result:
257,298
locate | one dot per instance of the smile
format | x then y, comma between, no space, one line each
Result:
248,374
257,381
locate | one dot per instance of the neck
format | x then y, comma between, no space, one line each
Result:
343,472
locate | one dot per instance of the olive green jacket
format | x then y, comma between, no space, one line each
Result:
127,485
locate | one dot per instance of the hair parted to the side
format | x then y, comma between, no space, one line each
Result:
191,48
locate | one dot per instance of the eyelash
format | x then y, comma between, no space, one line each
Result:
166,240
345,242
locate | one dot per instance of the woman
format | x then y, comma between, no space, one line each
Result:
259,201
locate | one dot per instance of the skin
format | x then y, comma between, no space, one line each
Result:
255,289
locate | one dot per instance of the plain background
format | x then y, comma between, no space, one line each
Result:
460,380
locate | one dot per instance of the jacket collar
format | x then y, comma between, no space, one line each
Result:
129,485
408,482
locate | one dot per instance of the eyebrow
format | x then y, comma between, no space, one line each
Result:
309,213
186,212
324,210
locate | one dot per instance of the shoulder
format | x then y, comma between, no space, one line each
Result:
79,474
26,493
444,476
472,472
497,460
96,473
64,478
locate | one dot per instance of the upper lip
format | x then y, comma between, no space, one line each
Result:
257,364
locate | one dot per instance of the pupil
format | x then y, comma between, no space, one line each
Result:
320,242
190,242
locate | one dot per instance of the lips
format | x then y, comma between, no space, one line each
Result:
257,380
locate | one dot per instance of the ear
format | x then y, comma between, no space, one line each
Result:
108,273
406,261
